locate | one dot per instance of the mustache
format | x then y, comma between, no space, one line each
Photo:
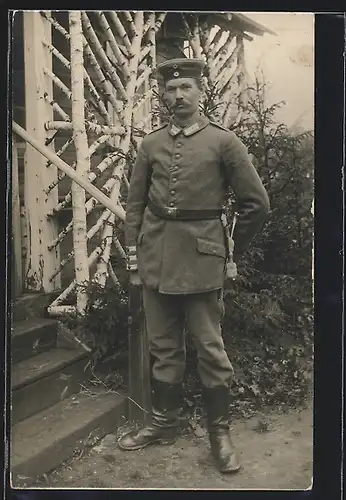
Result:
179,103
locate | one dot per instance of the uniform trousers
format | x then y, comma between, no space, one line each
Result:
166,317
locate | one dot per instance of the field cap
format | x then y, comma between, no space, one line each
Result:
181,68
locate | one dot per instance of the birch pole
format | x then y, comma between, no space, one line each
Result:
155,119
193,36
242,72
212,49
196,39
83,160
206,49
229,96
125,142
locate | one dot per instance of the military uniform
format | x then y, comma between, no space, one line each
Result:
190,169
184,170
176,240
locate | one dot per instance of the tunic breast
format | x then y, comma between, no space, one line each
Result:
187,172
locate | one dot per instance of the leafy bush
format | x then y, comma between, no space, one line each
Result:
104,326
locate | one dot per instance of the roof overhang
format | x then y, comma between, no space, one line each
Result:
249,25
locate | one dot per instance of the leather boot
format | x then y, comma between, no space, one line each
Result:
166,404
217,407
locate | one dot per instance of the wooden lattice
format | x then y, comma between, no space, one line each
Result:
110,59
102,96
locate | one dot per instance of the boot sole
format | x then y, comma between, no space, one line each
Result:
230,471
164,442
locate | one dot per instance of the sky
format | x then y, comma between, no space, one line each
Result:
287,61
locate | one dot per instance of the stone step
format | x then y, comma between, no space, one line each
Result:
44,441
31,337
46,379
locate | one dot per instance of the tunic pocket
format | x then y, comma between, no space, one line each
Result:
210,248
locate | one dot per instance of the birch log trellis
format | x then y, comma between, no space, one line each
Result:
115,76
108,99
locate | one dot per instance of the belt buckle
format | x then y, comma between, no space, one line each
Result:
171,212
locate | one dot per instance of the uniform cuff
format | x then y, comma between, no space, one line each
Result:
131,252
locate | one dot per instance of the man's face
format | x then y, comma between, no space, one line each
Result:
182,96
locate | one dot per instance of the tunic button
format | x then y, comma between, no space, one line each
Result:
178,145
172,204
178,155
174,179
173,191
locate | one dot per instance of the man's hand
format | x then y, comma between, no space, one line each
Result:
135,280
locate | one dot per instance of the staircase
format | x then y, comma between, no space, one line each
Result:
51,417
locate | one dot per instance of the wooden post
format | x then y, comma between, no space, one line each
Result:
40,263
139,366
242,73
16,225
139,407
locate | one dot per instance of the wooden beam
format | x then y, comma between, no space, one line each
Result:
139,407
16,225
40,263
90,188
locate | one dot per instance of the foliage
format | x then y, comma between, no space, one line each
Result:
277,268
269,310
104,326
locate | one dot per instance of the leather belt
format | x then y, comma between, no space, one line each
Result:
173,213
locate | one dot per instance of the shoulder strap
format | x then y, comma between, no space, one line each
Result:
218,125
158,128
150,169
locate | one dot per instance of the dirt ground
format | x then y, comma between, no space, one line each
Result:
276,453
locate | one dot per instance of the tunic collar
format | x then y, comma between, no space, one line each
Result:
201,123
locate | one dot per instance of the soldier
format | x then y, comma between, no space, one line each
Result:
176,250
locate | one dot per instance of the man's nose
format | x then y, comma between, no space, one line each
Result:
178,94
